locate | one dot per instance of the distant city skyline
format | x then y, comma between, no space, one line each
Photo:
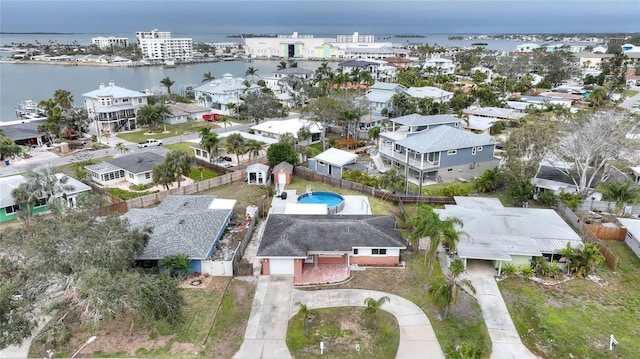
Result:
320,17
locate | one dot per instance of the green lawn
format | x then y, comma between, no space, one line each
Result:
575,319
185,146
630,93
68,168
171,131
127,195
200,174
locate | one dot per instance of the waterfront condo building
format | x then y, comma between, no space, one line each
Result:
112,108
105,43
159,46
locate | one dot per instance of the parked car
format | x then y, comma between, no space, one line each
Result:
221,159
149,142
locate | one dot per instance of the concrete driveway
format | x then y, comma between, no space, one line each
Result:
505,340
273,306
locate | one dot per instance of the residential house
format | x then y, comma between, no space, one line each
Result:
204,155
273,81
632,239
275,129
24,132
592,60
258,174
113,108
135,168
440,66
333,162
293,244
379,97
497,113
9,208
550,178
183,112
435,148
190,225
510,235
398,62
434,93
527,47
218,93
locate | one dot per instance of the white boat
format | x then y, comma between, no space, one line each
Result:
169,64
30,109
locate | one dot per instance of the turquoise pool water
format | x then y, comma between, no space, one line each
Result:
334,201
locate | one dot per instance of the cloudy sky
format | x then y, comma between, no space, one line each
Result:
320,17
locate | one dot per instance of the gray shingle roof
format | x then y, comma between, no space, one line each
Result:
295,235
443,138
137,162
181,224
23,131
283,165
294,71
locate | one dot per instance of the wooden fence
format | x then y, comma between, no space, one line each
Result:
241,269
368,190
196,187
607,233
610,259
102,192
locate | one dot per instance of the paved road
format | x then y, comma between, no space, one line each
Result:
273,306
505,340
628,103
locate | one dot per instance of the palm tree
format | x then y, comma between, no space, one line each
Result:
282,65
163,174
42,183
208,77
251,71
304,312
224,120
167,82
231,107
598,96
620,193
372,308
162,110
177,265
374,133
235,144
391,180
63,98
209,142
444,294
253,147
121,147
180,162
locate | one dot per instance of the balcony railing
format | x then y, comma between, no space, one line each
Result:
400,157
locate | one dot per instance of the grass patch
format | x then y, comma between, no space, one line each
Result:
575,319
127,195
378,206
185,146
464,322
244,194
171,131
200,174
341,329
630,93
68,168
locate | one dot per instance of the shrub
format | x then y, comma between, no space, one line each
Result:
548,198
455,189
572,200
497,128
510,269
527,271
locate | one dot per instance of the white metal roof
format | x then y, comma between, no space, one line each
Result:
336,157
291,126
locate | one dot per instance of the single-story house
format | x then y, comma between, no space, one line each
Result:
258,174
291,241
24,132
135,168
190,225
9,208
508,234
282,173
183,112
332,162
275,129
204,155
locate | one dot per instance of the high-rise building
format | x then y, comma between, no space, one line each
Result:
159,46
356,37
105,43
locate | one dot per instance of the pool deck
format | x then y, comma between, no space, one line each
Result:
353,204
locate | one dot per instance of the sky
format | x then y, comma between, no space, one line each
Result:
321,17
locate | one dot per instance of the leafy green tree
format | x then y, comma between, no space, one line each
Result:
282,151
526,147
373,306
489,181
620,193
167,82
282,65
259,105
76,119
323,110
8,148
176,265
521,191
235,144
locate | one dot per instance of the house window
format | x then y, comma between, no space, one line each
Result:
320,163
130,175
379,251
450,170
125,100
473,151
479,148
139,100
452,152
40,202
12,209
147,175
355,251
198,153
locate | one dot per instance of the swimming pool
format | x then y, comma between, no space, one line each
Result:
334,201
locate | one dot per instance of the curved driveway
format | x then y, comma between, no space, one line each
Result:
273,306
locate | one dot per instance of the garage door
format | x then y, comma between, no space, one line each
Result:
280,266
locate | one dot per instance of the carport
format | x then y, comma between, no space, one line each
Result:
517,250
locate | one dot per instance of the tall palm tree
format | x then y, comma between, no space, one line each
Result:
163,174
374,133
122,148
391,180
208,77
63,98
598,96
180,162
167,82
161,110
282,65
235,144
372,308
251,71
209,142
253,147
225,120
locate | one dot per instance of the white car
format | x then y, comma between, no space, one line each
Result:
149,142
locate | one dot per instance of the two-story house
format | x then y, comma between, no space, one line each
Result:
219,93
435,149
380,94
440,66
113,108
